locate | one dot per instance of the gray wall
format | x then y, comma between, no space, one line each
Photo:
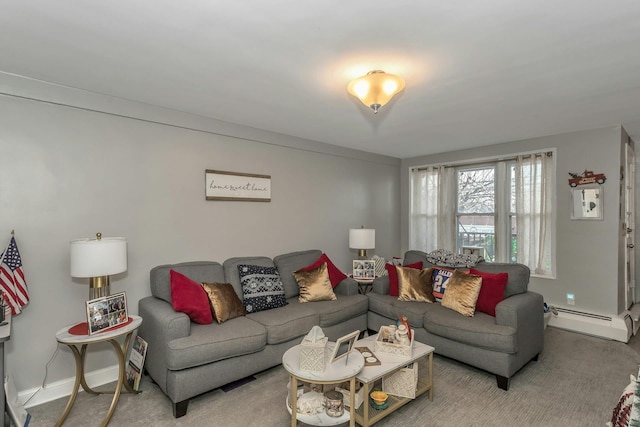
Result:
68,172
586,251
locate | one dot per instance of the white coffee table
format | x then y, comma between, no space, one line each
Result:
366,415
334,373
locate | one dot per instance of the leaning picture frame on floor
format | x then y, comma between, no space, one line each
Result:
106,313
343,347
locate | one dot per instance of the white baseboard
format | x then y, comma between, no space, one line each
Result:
56,390
614,327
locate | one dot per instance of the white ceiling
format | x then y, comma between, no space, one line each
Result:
477,72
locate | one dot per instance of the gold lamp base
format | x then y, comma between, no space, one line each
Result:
362,254
99,287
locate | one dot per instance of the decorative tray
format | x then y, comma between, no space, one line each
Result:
370,359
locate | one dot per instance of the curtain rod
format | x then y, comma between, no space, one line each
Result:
482,162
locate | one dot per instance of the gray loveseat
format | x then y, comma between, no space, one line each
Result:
186,359
500,345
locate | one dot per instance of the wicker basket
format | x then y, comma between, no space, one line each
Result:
393,348
403,383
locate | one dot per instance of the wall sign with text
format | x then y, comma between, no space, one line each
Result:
221,185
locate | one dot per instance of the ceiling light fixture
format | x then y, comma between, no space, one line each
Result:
376,88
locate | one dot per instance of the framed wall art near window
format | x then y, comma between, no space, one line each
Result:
223,185
106,312
587,203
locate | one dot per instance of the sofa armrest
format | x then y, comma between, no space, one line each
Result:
347,287
517,310
525,313
381,285
160,325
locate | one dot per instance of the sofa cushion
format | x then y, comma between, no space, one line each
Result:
199,271
415,285
290,262
384,305
188,296
210,343
335,274
492,290
392,272
341,310
261,288
462,293
314,284
224,301
390,307
478,331
286,323
415,256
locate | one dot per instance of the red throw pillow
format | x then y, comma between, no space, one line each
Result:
188,296
492,290
394,290
335,275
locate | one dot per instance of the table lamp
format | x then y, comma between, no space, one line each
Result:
97,259
362,239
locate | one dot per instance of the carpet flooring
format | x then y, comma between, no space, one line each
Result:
576,382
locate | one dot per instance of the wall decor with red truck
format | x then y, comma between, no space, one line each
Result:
587,177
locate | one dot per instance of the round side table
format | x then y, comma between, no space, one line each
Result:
78,345
334,373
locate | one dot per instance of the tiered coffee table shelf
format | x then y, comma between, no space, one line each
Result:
371,378
334,373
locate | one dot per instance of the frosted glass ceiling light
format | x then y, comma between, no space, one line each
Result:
376,88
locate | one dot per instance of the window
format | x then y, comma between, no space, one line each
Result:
500,208
476,209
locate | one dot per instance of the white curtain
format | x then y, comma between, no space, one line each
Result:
432,209
534,192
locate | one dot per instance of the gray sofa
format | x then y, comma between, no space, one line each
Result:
186,359
500,345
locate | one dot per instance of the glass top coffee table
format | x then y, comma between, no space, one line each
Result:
370,377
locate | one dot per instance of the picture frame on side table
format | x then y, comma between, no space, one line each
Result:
364,269
343,347
106,312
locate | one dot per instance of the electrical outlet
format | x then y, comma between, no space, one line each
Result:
571,299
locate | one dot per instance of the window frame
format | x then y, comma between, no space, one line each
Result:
502,214
505,215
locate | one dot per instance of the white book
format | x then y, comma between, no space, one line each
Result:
136,362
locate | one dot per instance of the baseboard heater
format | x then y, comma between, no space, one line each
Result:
614,327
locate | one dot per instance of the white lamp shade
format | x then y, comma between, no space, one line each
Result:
98,257
362,238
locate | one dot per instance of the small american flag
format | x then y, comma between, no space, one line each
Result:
14,287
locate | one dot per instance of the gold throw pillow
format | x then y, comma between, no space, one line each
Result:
462,293
225,302
314,284
415,285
